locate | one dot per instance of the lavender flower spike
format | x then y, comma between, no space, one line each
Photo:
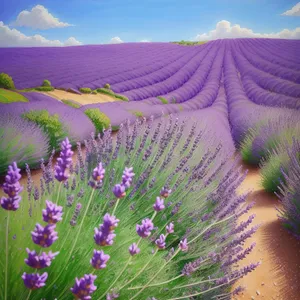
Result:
44,236
104,235
134,249
183,245
119,191
12,188
99,259
159,204
64,161
170,228
84,287
113,295
144,230
34,281
97,175
110,222
52,214
161,242
165,192
127,177
39,261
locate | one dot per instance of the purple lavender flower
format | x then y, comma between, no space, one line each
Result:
127,177
183,245
44,236
170,228
134,249
159,204
144,230
165,192
52,214
12,188
110,222
104,235
34,281
39,261
99,259
76,214
119,191
84,287
97,175
113,295
161,242
64,161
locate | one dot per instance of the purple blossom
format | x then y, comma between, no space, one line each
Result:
64,161
159,204
12,188
39,261
84,287
134,249
161,242
99,259
97,175
105,234
44,236
110,222
127,177
170,228
183,245
165,192
34,281
52,214
76,214
191,267
113,295
119,191
144,230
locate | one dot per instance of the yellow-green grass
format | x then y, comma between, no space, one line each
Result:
7,96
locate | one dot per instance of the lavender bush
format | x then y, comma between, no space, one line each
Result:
21,141
149,215
289,193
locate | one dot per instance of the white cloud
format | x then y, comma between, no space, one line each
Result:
145,41
116,40
38,18
224,29
14,38
295,11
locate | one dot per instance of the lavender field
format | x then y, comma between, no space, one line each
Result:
183,116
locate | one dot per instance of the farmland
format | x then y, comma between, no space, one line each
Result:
191,119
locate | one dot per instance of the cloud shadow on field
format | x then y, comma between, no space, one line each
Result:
284,250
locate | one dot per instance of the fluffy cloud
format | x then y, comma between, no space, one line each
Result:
38,18
224,29
145,41
14,38
116,40
295,11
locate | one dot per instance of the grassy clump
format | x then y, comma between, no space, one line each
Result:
21,141
6,81
202,204
137,113
100,120
107,86
85,90
44,88
189,43
111,93
121,97
46,83
10,96
71,103
50,124
180,107
163,100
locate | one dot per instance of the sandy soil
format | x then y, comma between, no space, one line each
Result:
278,277
82,99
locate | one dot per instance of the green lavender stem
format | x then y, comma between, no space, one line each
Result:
59,188
6,254
115,208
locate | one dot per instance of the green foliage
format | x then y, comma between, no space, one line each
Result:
6,81
137,113
107,86
7,96
94,92
163,100
115,128
189,43
46,83
111,93
180,107
50,124
100,120
71,103
85,90
44,88
121,97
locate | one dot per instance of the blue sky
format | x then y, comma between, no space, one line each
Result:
98,21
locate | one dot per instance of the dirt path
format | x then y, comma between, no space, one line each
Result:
82,99
278,277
